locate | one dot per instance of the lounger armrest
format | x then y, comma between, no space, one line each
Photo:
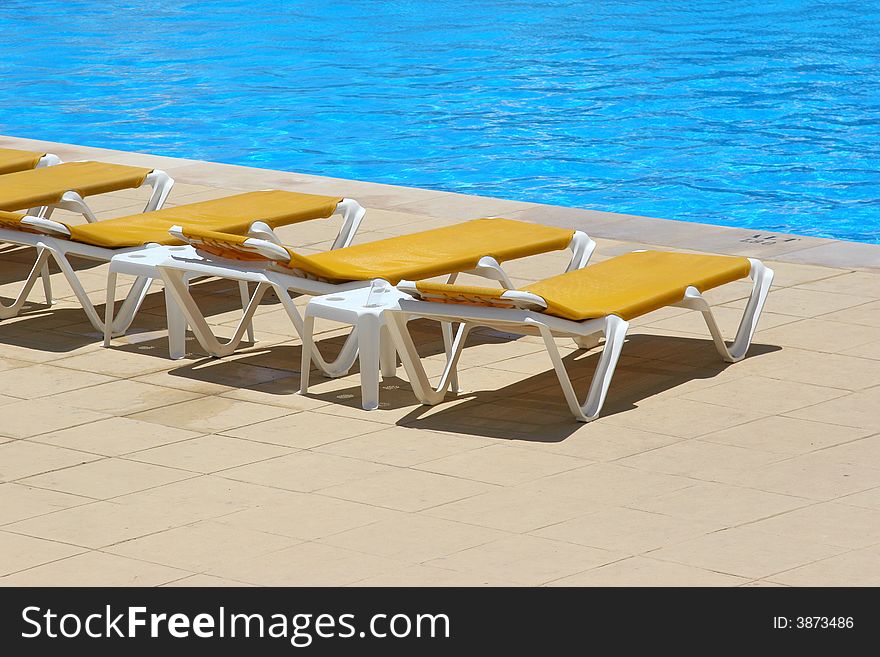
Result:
268,249
262,231
582,248
48,160
46,226
352,214
489,267
161,183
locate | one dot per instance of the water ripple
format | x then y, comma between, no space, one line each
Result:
738,112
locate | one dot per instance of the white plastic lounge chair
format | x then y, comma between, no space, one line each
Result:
252,212
478,247
67,185
584,304
12,160
38,191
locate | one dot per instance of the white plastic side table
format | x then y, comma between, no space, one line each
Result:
364,309
144,263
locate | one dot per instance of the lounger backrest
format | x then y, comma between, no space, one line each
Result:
228,246
12,221
472,295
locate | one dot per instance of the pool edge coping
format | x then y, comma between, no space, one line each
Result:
647,231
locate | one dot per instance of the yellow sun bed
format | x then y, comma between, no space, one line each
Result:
256,213
424,254
584,304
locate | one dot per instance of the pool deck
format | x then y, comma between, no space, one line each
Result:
120,467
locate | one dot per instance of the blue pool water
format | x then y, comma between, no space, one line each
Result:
755,113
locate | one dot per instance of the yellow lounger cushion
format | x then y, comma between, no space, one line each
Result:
44,186
435,252
419,255
628,286
231,214
15,160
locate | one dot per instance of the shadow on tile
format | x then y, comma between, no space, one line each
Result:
534,409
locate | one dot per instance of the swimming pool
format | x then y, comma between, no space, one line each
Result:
754,113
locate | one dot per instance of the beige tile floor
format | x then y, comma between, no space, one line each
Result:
120,467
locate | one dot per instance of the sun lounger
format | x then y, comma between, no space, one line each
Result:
67,185
254,213
584,304
40,190
12,160
478,246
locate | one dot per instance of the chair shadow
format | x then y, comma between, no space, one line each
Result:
532,409
535,409
71,329
286,357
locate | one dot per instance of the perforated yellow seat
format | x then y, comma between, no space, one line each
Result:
12,160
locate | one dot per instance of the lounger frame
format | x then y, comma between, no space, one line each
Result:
161,184
48,160
526,320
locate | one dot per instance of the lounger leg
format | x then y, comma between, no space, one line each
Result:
134,299
448,339
412,363
36,272
348,353
75,284
582,248
762,278
308,346
453,354
176,328
176,285
369,334
245,294
352,215
387,354
47,283
75,203
615,335
344,361
109,306
130,306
